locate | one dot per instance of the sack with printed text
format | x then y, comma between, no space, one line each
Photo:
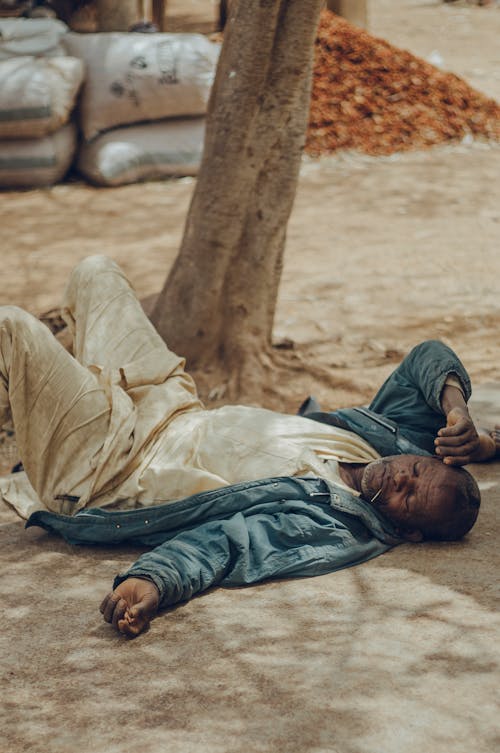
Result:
133,78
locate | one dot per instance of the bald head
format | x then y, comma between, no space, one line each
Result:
423,497
456,510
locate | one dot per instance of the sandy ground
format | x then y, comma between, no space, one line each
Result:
399,654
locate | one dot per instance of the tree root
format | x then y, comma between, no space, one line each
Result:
275,379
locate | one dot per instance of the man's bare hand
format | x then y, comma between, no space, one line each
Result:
458,443
131,606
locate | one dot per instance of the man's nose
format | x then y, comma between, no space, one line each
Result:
400,480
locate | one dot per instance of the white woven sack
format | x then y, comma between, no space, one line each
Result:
31,36
31,163
133,78
37,95
144,152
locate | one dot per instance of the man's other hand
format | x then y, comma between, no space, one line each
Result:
131,606
458,443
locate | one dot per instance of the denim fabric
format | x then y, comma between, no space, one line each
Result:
282,527
405,414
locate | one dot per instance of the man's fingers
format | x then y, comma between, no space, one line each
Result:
143,611
104,602
454,430
461,455
458,460
130,622
449,431
459,450
131,606
132,629
461,441
118,612
137,618
108,606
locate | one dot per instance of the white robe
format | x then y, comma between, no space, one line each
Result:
121,423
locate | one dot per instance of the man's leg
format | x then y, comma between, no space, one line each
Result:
145,382
111,332
108,324
60,413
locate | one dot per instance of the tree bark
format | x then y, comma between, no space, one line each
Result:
115,15
224,10
217,305
158,13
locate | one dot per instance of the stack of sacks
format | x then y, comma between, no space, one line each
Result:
161,81
38,88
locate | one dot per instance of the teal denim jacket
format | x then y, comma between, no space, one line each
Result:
272,528
405,415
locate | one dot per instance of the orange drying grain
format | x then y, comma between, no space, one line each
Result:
373,97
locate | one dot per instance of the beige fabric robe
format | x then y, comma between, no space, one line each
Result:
121,423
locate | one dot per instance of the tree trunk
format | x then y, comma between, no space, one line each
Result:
158,13
115,15
218,302
224,10
355,11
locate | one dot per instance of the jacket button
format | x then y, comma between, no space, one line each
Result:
275,484
118,525
336,497
146,521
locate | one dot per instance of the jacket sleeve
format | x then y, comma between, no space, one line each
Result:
235,551
188,564
411,395
246,549
428,366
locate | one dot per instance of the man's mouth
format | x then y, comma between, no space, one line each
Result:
374,495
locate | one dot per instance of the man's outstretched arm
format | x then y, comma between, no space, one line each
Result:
234,552
175,571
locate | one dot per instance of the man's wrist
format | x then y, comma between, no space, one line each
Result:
138,576
487,447
452,398
147,578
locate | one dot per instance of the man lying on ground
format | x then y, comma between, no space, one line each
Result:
120,426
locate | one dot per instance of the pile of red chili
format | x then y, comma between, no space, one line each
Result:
370,96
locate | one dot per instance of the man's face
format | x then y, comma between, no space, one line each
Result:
408,489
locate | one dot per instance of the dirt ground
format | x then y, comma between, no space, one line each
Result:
401,654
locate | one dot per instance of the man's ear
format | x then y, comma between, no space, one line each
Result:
410,534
